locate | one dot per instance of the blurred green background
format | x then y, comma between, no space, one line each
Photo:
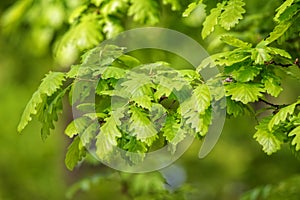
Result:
33,169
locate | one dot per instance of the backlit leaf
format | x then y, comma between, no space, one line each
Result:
212,20
296,140
232,14
244,92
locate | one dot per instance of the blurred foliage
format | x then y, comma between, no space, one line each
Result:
32,169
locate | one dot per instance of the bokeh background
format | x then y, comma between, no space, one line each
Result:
33,169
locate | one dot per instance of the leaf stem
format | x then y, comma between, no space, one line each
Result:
270,104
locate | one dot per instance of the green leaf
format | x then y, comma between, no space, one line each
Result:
193,118
244,92
194,108
205,118
202,98
162,91
266,138
282,8
246,73
233,41
135,150
101,56
278,31
144,12
272,83
106,140
235,108
143,101
80,91
71,130
225,58
212,20
141,126
113,72
74,154
127,61
260,56
199,101
50,84
72,73
191,7
296,140
232,14
30,109
134,81
289,13
171,128
281,115
276,51
48,114
77,126
89,133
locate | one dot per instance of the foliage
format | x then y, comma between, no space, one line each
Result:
252,67
135,127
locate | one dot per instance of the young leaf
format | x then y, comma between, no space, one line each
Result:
266,138
141,126
77,126
89,133
135,150
193,118
272,83
205,118
202,98
282,8
30,109
281,115
246,73
244,92
289,13
74,154
235,108
232,14
212,20
191,7
113,72
296,140
278,31
260,56
49,113
107,138
276,51
233,41
171,128
143,101
50,84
